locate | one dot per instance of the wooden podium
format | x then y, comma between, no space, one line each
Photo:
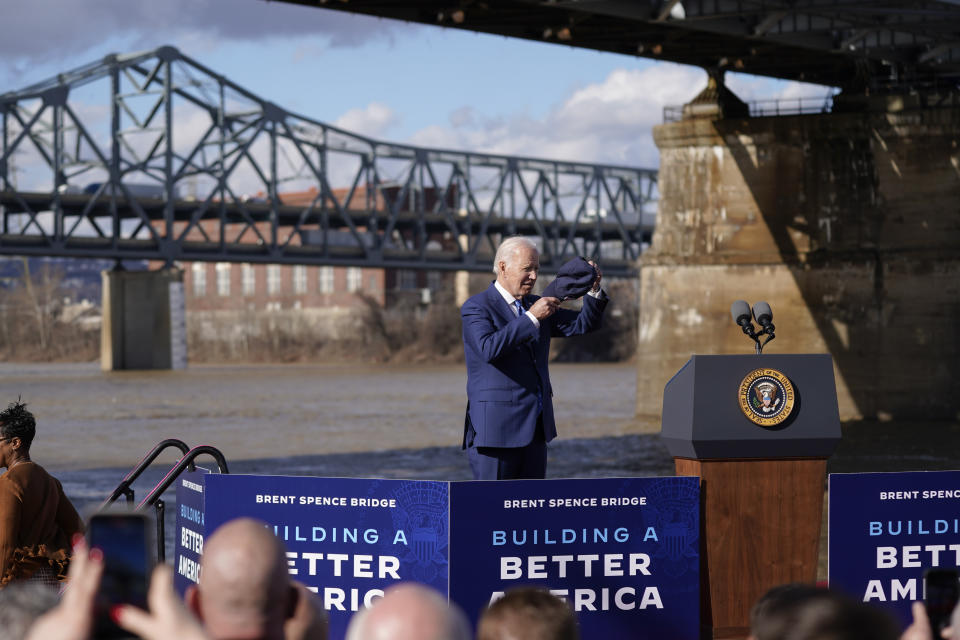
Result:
758,431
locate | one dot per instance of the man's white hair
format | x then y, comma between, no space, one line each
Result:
509,247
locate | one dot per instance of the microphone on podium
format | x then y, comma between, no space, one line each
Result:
741,313
764,317
740,310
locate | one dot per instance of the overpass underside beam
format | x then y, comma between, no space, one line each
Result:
881,44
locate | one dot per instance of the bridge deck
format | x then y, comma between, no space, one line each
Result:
304,235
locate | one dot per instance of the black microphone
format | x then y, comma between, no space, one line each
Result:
740,310
763,314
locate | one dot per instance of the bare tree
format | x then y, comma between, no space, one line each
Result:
41,298
31,317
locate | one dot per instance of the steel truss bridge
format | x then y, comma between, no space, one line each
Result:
154,156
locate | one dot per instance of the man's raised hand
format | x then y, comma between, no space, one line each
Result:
595,287
544,307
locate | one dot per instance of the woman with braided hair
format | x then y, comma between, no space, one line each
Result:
37,521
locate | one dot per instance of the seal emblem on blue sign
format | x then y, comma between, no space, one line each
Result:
422,512
766,397
674,510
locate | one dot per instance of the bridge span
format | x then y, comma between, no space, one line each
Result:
154,156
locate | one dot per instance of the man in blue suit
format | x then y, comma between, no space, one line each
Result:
506,340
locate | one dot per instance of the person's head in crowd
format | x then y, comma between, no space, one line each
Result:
528,613
409,611
20,604
245,591
775,612
842,619
803,612
17,429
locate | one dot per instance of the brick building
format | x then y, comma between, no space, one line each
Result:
228,300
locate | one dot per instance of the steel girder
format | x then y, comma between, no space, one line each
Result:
899,45
154,156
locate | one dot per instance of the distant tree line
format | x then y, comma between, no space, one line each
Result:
38,322
34,319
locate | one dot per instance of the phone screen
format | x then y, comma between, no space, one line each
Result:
126,542
942,592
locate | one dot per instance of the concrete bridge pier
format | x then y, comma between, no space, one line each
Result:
847,223
144,322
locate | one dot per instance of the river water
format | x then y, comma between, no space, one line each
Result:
384,421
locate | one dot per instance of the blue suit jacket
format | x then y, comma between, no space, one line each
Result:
507,374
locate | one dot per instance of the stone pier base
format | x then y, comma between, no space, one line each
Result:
144,322
848,224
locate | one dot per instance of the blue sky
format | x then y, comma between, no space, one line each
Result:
387,79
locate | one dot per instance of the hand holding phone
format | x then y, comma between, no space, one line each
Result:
126,540
940,597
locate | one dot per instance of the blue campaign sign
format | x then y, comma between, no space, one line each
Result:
347,539
188,543
624,552
886,529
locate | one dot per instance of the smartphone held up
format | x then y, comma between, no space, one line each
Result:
126,540
940,597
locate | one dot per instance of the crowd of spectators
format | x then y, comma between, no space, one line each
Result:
246,593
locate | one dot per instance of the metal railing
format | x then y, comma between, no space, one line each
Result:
801,105
153,498
125,489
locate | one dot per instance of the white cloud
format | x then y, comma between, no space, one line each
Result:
71,28
462,117
804,90
791,96
606,122
373,121
749,87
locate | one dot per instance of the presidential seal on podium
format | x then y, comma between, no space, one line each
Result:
766,397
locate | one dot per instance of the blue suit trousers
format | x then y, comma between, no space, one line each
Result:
511,463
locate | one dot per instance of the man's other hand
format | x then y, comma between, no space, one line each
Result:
920,628
544,308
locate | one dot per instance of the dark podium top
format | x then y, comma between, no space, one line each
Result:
702,418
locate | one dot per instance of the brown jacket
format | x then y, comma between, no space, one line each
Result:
37,523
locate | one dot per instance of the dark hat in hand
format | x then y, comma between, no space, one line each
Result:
573,280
